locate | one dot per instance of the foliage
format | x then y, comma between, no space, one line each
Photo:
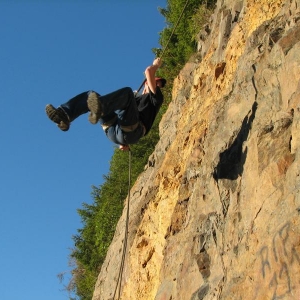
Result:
177,48
99,219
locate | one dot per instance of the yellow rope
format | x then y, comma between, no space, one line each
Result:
161,56
186,3
119,281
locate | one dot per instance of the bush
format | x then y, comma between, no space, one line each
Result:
99,219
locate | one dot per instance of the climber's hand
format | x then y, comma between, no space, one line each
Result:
157,62
124,147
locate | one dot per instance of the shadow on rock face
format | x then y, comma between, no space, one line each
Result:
231,163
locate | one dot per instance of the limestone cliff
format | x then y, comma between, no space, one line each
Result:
216,213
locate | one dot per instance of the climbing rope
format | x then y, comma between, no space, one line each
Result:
174,28
163,52
119,281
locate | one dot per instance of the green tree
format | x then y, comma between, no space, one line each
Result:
99,219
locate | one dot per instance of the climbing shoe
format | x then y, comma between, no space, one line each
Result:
94,107
58,116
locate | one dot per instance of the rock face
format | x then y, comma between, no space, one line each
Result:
216,213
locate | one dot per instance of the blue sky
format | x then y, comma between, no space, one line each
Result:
51,51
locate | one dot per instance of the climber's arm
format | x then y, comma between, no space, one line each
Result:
150,74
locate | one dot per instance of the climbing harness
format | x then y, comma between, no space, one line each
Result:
119,280
161,56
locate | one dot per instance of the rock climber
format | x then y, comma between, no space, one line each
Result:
125,116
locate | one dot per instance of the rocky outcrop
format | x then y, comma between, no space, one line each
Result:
216,213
